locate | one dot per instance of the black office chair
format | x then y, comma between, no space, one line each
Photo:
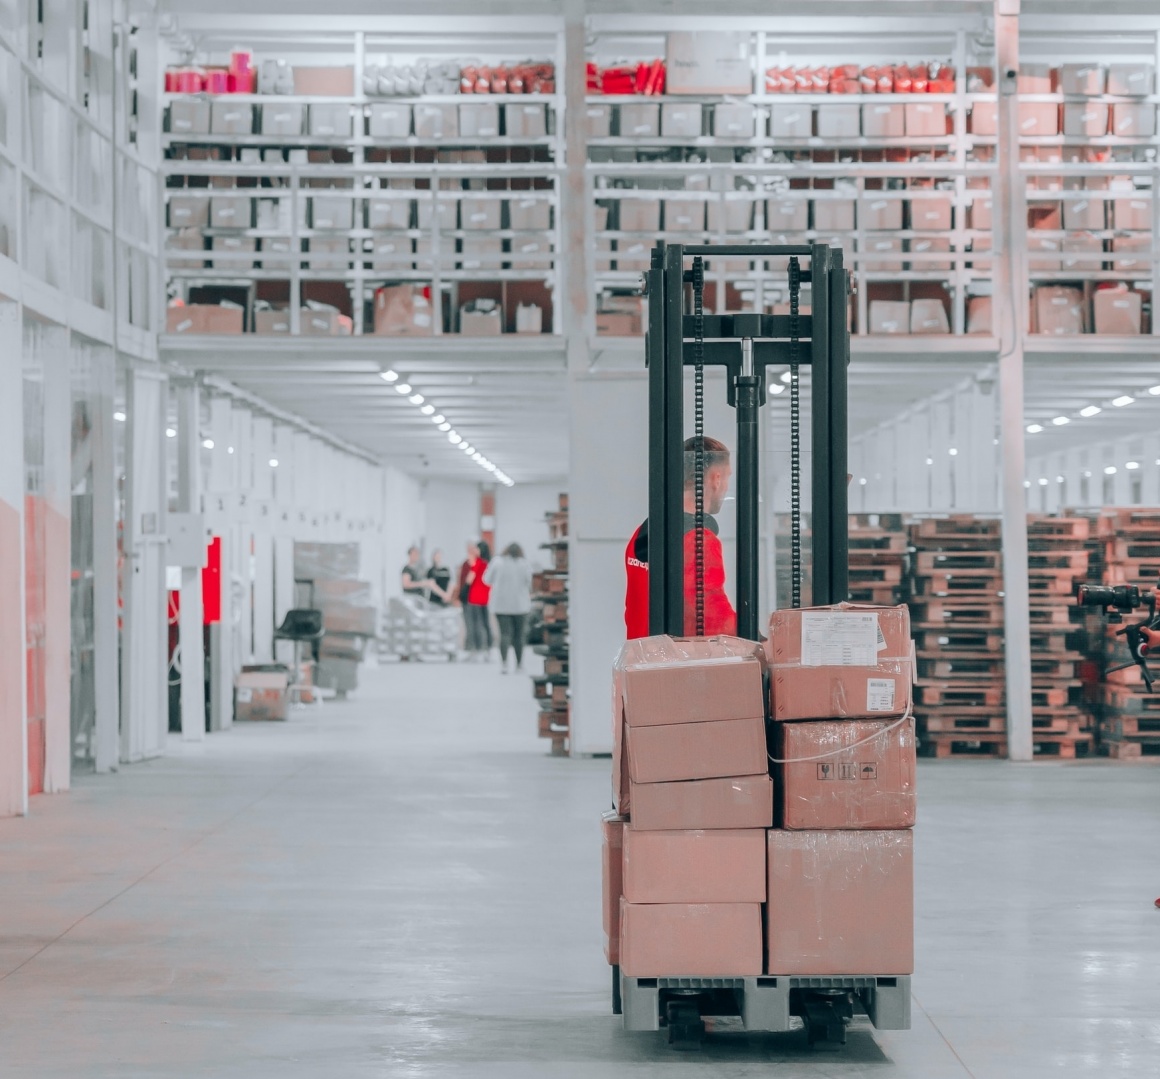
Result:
302,625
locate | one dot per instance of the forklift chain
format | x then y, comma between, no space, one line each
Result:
699,437
795,437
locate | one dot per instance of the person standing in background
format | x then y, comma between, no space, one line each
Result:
510,580
478,594
440,577
462,591
414,580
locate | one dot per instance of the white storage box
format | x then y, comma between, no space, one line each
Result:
331,212
389,120
330,121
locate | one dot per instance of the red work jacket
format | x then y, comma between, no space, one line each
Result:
719,614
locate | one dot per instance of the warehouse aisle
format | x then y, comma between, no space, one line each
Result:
406,885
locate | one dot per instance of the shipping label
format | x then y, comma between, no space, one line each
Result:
879,694
839,639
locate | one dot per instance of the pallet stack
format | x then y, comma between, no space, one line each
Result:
1129,716
878,545
548,633
956,604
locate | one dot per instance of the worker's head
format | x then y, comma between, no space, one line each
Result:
472,549
485,550
412,554
718,471
436,557
513,550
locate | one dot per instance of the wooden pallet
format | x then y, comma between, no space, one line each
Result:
994,744
557,524
1130,728
956,584
1130,750
959,695
1073,529
1140,571
878,543
1142,548
1054,561
957,612
958,640
883,522
875,574
1054,615
1129,521
959,527
983,721
988,563
1124,700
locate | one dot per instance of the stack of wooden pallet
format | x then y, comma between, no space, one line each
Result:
877,558
1057,559
549,635
956,601
1129,716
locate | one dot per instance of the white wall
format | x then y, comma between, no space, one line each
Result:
452,518
404,524
519,516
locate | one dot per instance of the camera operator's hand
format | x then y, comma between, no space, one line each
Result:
1151,640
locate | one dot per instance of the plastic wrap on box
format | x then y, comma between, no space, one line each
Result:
621,791
690,940
668,680
679,751
727,802
865,786
325,561
724,866
612,881
848,661
840,903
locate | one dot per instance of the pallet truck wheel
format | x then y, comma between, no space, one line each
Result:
686,1027
617,1005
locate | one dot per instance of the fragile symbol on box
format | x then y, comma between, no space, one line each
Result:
847,770
869,770
825,771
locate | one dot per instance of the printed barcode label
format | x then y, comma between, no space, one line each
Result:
880,695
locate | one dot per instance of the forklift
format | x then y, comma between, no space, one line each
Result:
747,346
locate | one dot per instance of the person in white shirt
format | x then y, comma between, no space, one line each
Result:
510,580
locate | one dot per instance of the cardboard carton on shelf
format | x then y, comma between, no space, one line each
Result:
231,117
695,866
323,81
329,253
389,120
882,245
733,120
525,120
481,253
869,784
261,694
527,214
1136,120
189,116
234,246
1043,252
1077,251
840,901
480,318
931,214
391,251
1086,80
530,251
690,940
282,118
853,661
980,317
1044,216
633,255
185,240
329,121
726,802
883,121
1090,119
684,215
1133,254
1131,79
1132,214
731,215
839,121
878,213
640,214
787,214
680,119
1084,213
928,317
479,120
231,211
205,318
436,122
1034,79
188,212
271,321
1038,118
387,214
331,212
791,121
929,245
618,324
436,206
984,118
639,121
404,311
480,212
612,883
322,320
276,253
926,119
1117,311
598,121
708,62
1058,310
529,318
834,215
889,317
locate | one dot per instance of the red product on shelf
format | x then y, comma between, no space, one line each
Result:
217,80
919,79
844,79
942,78
903,83
241,62
483,81
467,78
499,80
171,80
190,80
241,82
779,80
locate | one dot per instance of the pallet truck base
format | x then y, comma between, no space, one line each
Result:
767,1003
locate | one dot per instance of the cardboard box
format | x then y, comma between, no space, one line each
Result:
231,117
331,212
1050,247
834,782
261,695
446,209
985,118
1132,214
282,118
734,120
1134,254
833,215
708,62
269,321
1117,311
598,121
640,215
690,940
889,316
881,213
185,240
479,119
234,245
529,318
618,323
980,318
926,119
329,253
1090,118
791,121
728,802
403,311
1137,120
1038,118
731,215
1046,216
928,316
633,255
695,866
480,323
681,120
883,121
481,253
930,215
324,81
329,121
530,251
189,116
684,750
276,253
1083,213
1058,310
1034,79
480,212
389,120
612,883
639,121
386,214
529,215
1076,247
849,660
436,122
205,318
321,321
840,902
391,251
883,245
188,211
684,215
929,245
787,215
839,121
525,120
231,211
1084,79
1130,79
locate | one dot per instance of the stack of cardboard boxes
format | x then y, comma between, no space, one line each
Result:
697,879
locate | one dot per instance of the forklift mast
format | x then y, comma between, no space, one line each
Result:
746,345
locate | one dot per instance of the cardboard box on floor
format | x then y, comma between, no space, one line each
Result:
261,694
690,939
840,902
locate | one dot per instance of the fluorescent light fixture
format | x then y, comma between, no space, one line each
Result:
1026,483
1034,428
208,443
930,460
438,419
467,448
1125,399
862,481
953,452
273,462
1132,465
389,376
477,456
403,387
1059,479
229,449
445,426
416,398
454,438
1091,410
170,432
1061,421
1154,391
1042,481
1087,473
119,417
1110,470
786,376
427,410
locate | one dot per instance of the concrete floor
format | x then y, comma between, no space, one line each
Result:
404,885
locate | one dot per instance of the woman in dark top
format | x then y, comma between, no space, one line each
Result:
440,577
414,581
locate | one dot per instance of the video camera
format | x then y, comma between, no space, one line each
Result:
1118,600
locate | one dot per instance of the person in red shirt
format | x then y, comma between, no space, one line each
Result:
720,617
479,637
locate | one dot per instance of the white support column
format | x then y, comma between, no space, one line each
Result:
106,644
191,638
1011,316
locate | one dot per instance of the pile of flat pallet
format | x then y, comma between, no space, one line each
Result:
956,607
548,634
1057,559
1129,716
878,545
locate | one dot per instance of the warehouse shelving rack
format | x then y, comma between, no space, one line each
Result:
431,178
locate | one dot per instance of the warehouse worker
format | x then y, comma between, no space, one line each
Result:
719,614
